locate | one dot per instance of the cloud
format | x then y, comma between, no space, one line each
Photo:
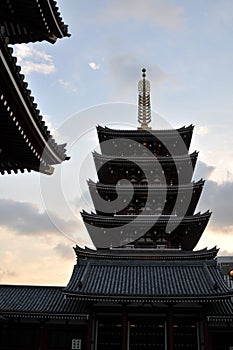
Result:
6,274
65,251
157,12
203,170
25,218
201,130
218,198
94,65
220,16
67,85
124,70
33,60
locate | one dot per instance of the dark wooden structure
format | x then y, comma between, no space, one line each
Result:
144,287
25,141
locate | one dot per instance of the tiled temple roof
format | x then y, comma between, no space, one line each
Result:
39,302
30,21
25,141
151,281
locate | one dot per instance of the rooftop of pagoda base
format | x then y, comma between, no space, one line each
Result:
129,252
130,278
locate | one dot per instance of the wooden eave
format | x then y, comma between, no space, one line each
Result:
99,190
138,132
105,230
105,133
109,188
145,254
145,160
25,139
32,21
143,219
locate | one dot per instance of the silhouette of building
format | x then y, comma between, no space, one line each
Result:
25,141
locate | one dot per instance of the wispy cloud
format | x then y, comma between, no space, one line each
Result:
67,85
33,60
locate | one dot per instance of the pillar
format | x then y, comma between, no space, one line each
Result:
89,331
43,336
170,329
206,334
3,330
124,328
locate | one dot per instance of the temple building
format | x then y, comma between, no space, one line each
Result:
25,142
145,286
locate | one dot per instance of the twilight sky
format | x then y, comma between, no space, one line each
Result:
91,78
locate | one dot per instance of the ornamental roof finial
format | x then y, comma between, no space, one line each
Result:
144,107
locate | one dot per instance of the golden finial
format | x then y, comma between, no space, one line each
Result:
144,107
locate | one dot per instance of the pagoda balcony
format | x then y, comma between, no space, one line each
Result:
118,231
130,200
159,142
146,170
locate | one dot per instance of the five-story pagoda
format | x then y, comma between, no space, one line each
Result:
145,285
155,206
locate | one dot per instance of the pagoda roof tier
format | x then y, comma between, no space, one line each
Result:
129,253
39,302
119,220
180,138
121,230
148,281
145,160
174,170
25,141
30,21
110,188
182,199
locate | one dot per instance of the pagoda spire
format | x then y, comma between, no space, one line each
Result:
144,106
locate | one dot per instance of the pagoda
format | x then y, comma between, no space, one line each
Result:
145,285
